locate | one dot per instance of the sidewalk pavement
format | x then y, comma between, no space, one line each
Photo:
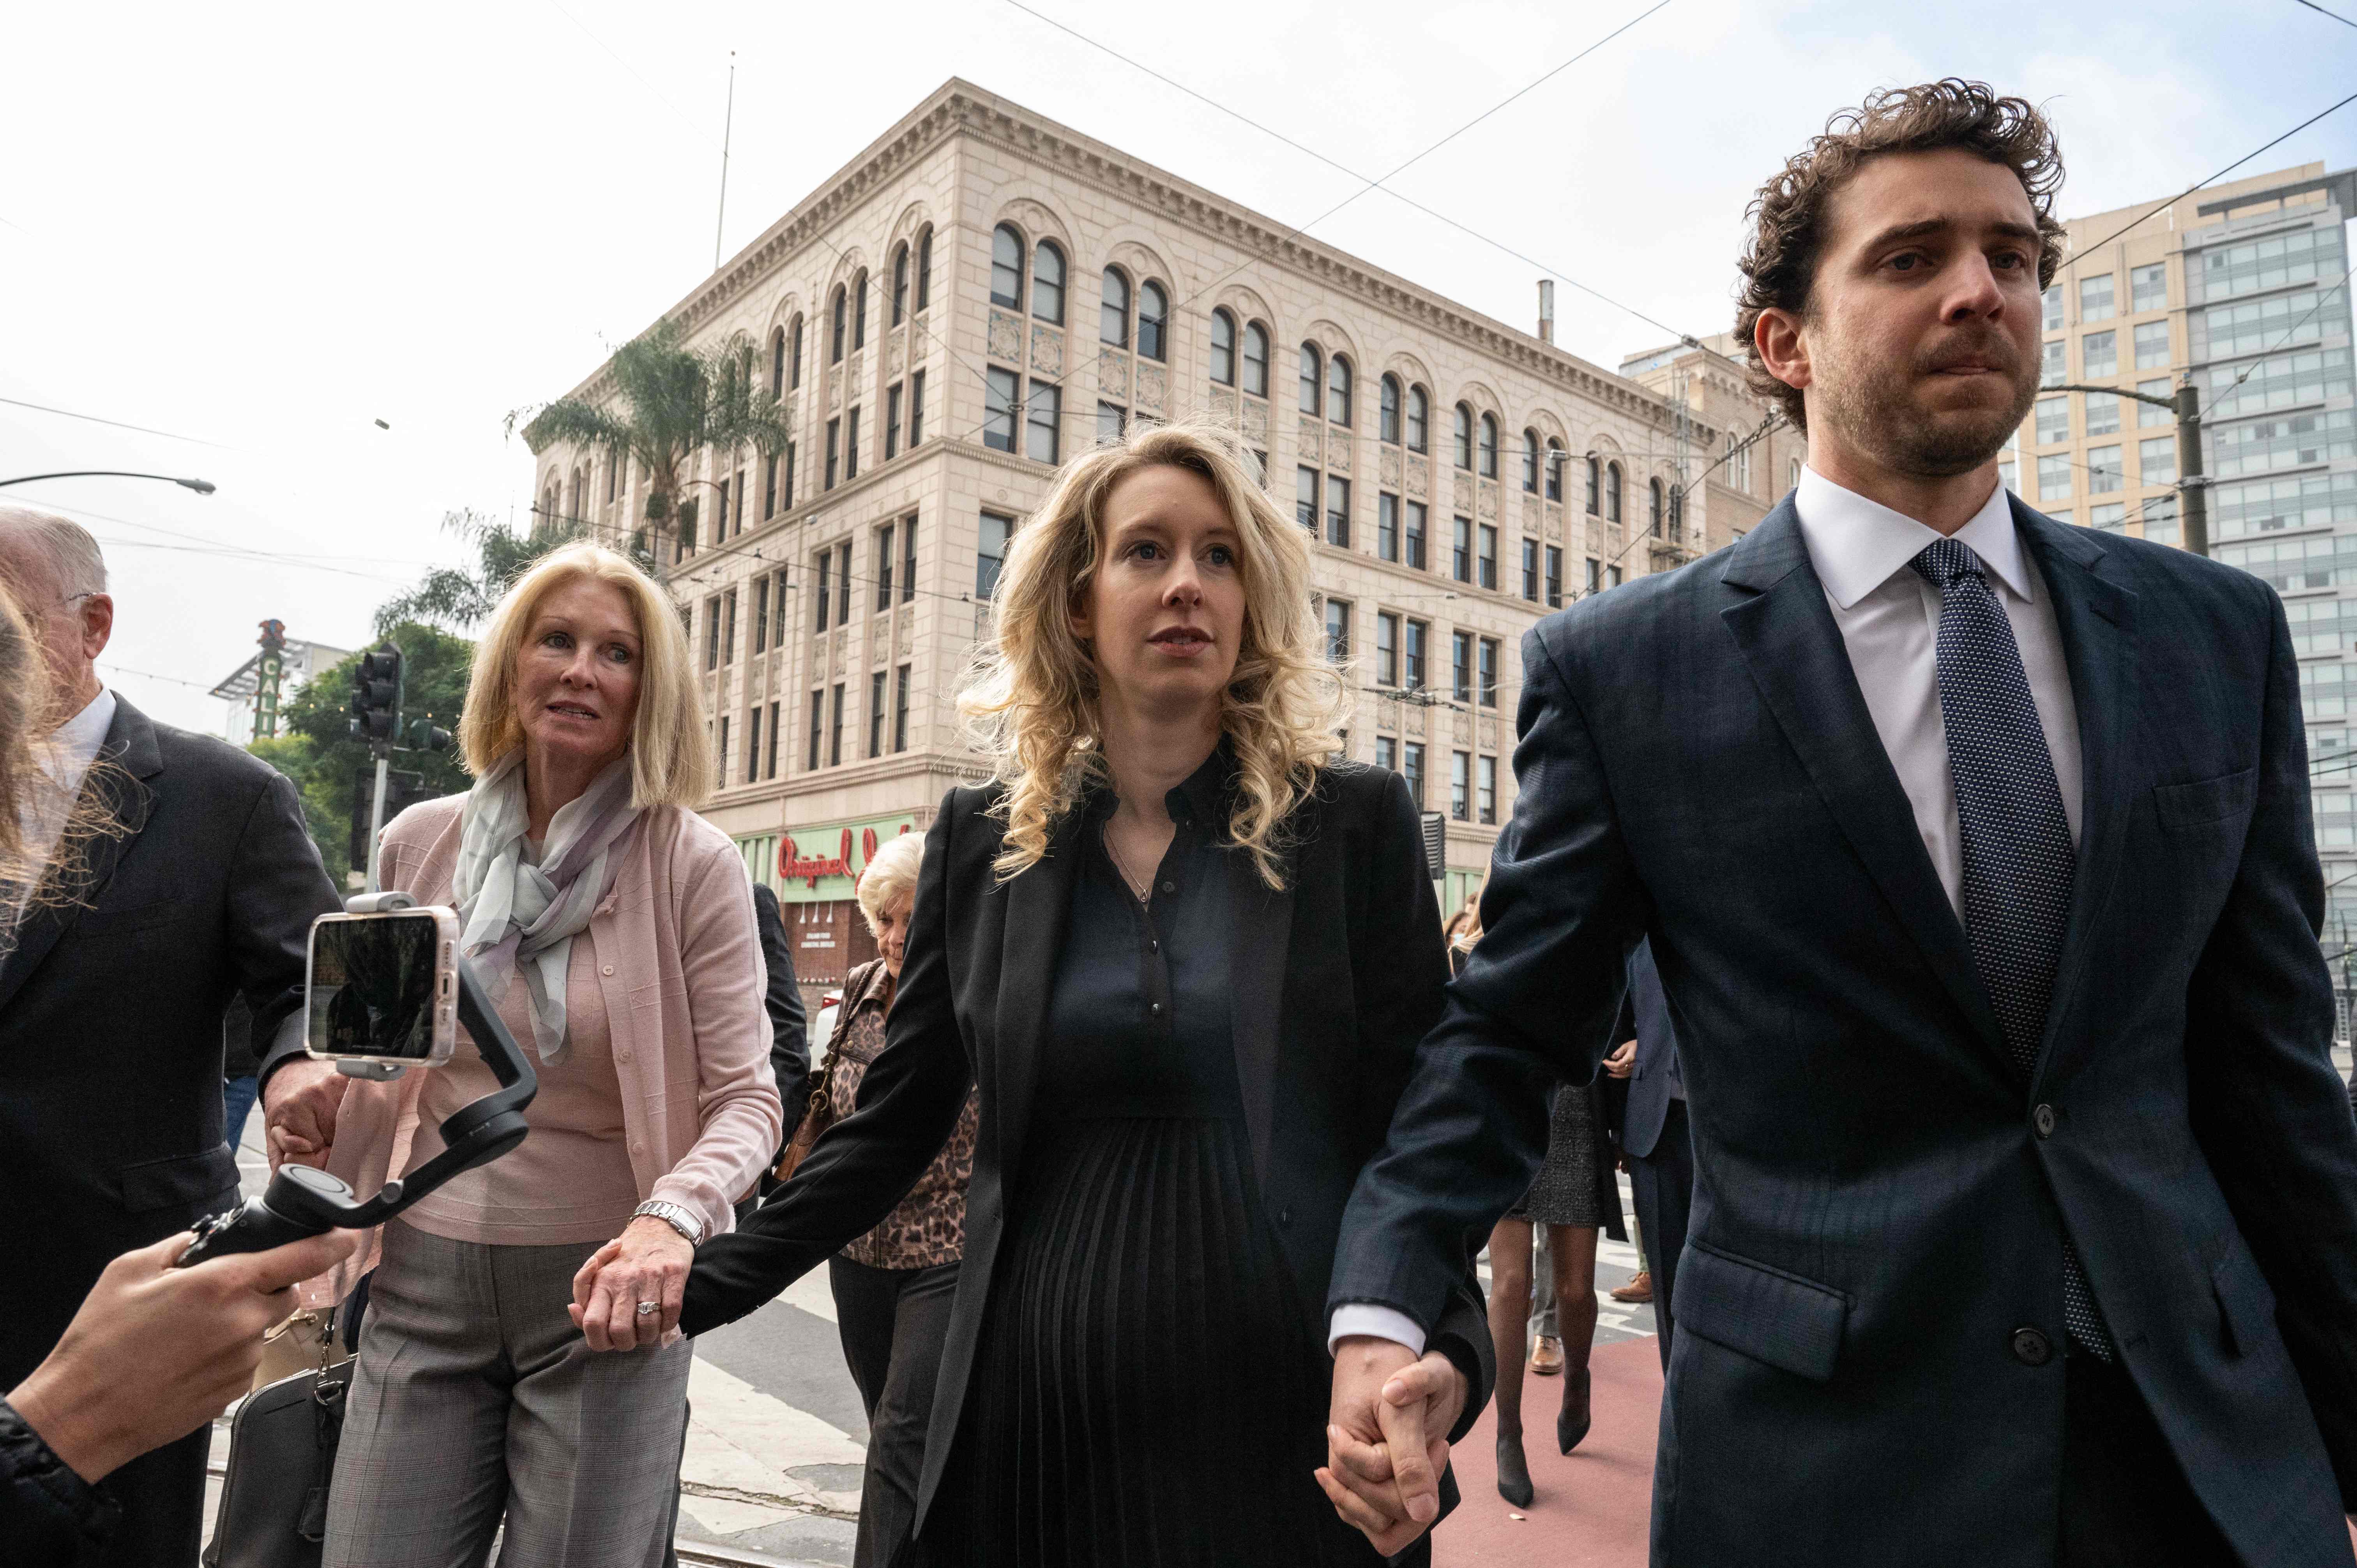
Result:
1592,1506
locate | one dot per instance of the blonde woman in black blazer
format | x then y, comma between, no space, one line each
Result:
1188,959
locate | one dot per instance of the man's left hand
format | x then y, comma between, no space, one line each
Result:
647,1262
1387,1438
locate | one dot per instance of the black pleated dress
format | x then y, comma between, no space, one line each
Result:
1148,1393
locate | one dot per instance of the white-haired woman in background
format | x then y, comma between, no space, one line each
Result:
616,928
1188,959
894,1285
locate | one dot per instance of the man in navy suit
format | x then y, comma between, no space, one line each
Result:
1655,1137
1975,853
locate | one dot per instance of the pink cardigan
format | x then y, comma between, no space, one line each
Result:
679,964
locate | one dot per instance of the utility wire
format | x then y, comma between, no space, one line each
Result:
2320,11
2162,207
143,430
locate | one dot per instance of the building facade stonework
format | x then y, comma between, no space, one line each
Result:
983,293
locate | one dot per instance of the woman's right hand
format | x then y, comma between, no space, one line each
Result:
299,1105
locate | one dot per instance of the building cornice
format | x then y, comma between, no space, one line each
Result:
959,108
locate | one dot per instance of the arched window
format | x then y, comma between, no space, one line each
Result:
1653,508
1007,268
1047,283
1338,389
1223,348
899,286
1113,311
1530,462
1612,492
1419,420
1594,483
778,364
1464,432
859,311
842,323
924,269
1312,375
795,353
1555,460
1387,426
1153,321
1488,447
1257,359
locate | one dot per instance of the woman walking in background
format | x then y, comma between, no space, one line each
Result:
1574,1196
615,926
1188,960
893,1287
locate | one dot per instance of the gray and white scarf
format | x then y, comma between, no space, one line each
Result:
524,918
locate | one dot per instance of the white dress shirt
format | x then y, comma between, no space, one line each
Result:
1888,616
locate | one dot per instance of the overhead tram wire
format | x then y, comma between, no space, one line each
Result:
2158,206
119,425
2320,11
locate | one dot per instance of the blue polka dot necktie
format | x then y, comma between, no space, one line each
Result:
2018,861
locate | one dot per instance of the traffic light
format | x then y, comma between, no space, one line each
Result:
424,734
376,696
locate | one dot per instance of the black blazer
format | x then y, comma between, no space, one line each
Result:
111,1014
789,1037
1657,1056
1880,1200
1335,979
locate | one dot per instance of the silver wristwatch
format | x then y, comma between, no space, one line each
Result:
677,1216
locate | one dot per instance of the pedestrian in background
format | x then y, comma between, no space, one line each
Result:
615,926
240,1069
894,1286
789,1027
1575,1197
176,870
1656,1137
1185,960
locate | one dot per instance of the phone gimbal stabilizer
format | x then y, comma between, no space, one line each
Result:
302,1201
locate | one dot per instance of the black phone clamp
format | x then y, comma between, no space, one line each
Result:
302,1201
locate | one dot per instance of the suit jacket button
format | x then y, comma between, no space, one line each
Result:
2043,1118
2031,1347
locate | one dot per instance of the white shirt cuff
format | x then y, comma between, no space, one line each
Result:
1378,1322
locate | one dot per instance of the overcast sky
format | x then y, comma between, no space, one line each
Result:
269,232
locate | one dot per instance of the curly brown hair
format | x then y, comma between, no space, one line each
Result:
1788,217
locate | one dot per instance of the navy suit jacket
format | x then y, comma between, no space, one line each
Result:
1877,1212
1656,1068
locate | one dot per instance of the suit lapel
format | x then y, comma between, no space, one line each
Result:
1797,660
2097,620
1038,913
117,783
1260,921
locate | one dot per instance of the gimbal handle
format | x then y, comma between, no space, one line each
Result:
303,1201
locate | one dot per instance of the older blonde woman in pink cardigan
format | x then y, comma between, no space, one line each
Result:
616,926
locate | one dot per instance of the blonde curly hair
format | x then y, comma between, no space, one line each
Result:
1030,702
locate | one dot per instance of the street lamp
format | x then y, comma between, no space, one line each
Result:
202,486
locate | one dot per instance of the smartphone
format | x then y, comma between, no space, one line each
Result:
384,988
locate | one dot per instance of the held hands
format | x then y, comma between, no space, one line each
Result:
1624,1059
155,1352
1387,1438
298,1110
648,1261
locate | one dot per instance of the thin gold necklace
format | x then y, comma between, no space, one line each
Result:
1104,836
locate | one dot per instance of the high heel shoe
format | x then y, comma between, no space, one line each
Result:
1514,1472
1572,1422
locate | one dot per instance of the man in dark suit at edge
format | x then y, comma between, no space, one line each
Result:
1655,1138
111,1000
1975,852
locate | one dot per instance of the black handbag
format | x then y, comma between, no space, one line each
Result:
282,1457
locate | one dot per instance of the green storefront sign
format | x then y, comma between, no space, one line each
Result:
820,863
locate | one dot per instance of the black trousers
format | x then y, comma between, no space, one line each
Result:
893,1322
1664,1184
2126,1500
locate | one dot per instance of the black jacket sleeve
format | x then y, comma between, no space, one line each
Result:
49,1517
1402,967
281,888
789,1036
2269,1106
863,1166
